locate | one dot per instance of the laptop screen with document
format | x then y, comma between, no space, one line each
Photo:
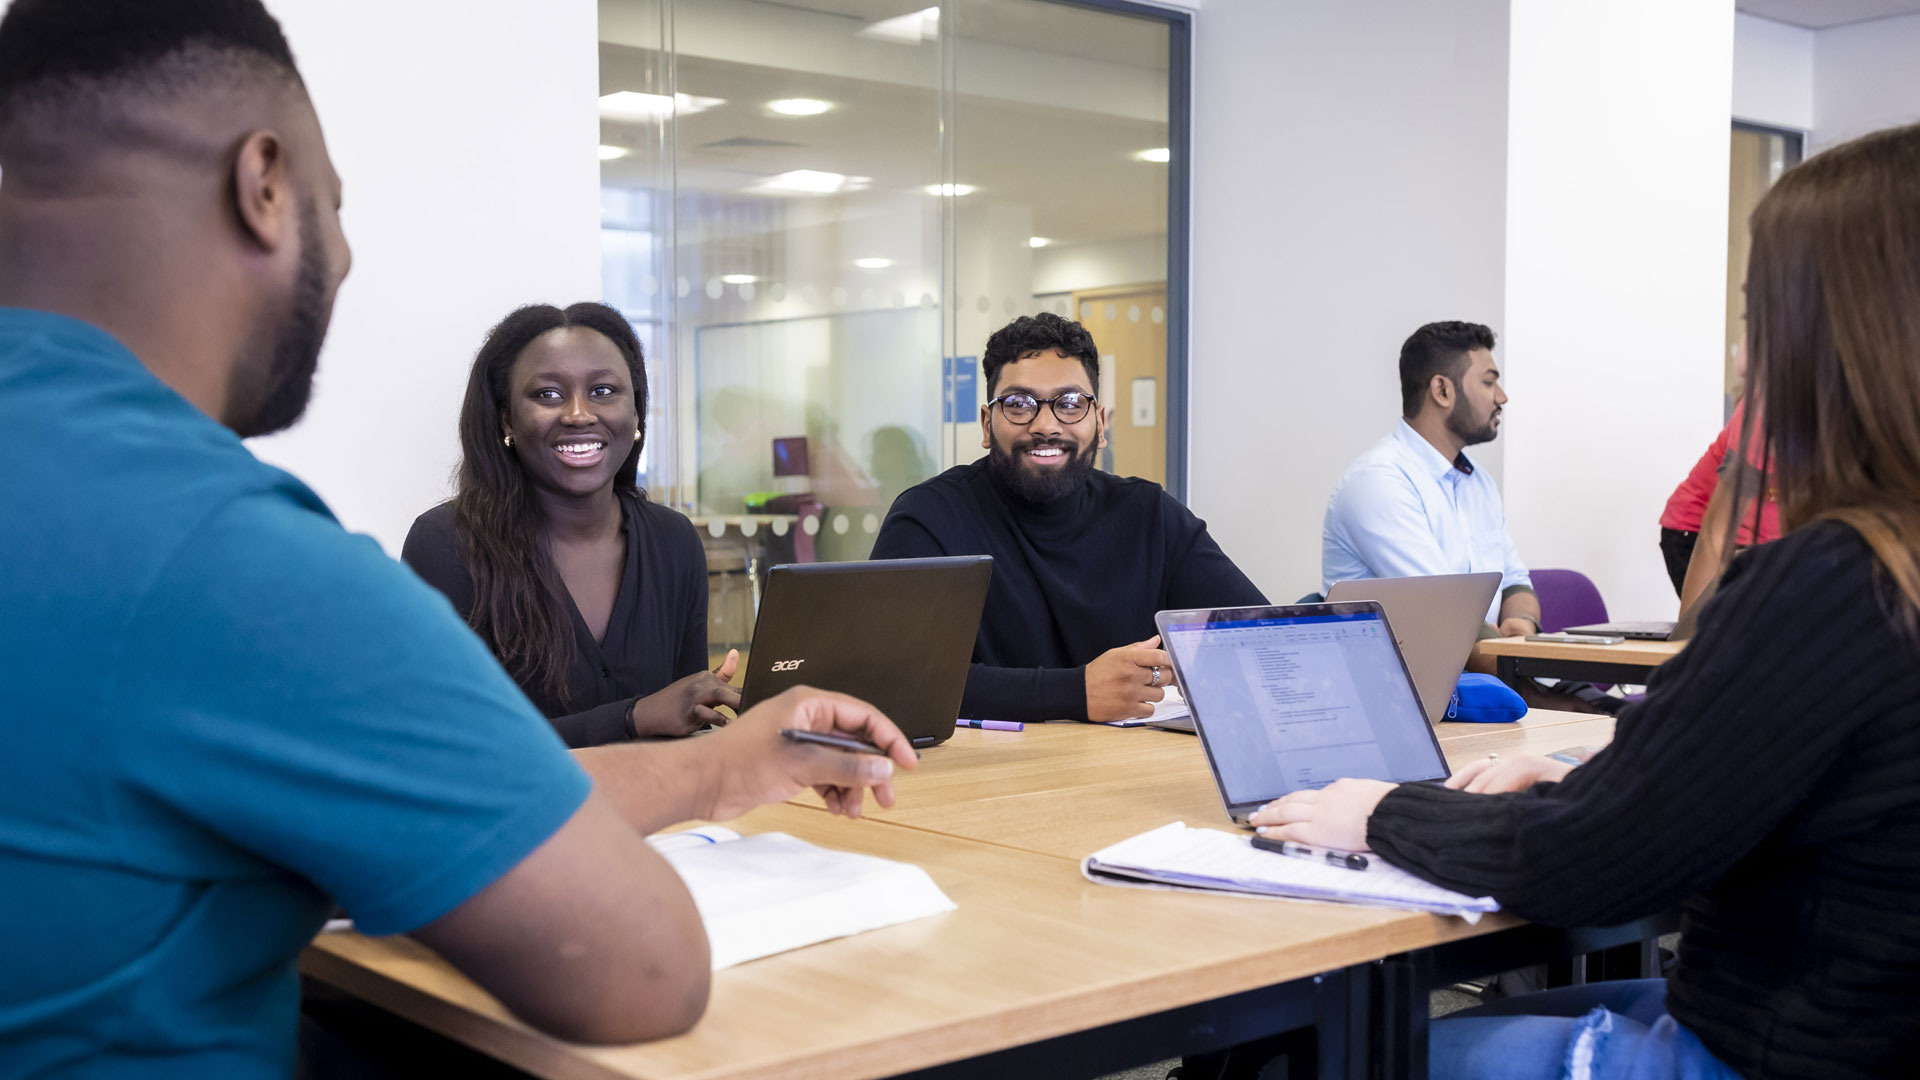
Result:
1297,697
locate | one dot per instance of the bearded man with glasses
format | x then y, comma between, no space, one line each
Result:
1082,558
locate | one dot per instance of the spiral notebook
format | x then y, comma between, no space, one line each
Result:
1210,860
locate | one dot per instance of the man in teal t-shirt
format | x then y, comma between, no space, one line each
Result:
220,712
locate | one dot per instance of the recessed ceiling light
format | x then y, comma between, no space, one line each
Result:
909,29
804,182
1159,155
1038,241
631,105
949,189
738,279
609,153
799,106
873,264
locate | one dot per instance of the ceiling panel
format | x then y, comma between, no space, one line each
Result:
1824,14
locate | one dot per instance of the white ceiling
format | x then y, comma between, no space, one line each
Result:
1825,14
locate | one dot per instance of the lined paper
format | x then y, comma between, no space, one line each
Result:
1211,860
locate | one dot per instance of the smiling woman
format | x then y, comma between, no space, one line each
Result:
594,598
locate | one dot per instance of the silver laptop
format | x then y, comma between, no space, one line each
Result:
1294,697
1436,621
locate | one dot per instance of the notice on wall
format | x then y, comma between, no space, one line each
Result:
1146,400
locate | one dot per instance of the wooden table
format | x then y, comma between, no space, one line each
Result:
1628,662
1038,972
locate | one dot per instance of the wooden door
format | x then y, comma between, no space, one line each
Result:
1129,325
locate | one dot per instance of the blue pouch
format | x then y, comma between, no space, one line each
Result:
1483,699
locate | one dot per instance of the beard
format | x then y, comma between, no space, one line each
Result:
268,396
1462,424
1037,485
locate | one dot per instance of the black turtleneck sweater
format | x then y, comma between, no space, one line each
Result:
1770,784
1071,578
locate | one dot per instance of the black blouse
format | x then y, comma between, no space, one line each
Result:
656,635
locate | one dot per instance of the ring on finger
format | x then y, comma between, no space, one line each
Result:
1156,676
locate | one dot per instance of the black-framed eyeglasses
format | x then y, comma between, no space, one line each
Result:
1021,408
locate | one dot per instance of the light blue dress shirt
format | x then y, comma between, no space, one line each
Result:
1404,510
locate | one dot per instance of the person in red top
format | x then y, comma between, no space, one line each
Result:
1700,507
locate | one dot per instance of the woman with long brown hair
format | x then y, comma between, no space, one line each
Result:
1769,784
592,597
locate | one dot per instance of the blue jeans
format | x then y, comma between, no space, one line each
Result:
1600,1031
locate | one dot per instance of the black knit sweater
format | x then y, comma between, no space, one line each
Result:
1770,784
1071,579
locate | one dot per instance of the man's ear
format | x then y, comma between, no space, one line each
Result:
263,191
1440,389
986,427
1106,418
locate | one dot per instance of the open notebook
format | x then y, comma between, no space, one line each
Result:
765,894
1172,707
1210,860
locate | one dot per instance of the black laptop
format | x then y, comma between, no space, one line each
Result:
896,633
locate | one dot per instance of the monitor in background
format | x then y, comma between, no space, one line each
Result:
1435,619
1295,697
790,457
895,633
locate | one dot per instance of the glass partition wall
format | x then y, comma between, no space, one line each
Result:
815,212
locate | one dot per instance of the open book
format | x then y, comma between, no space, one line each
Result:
1210,860
766,894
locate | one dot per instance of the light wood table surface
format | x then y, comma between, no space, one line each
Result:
1071,789
1034,952
1517,659
1648,654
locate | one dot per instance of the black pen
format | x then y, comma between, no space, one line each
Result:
837,742
1346,860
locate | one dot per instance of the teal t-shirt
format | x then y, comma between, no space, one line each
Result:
218,710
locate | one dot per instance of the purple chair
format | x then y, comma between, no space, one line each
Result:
1570,598
1567,598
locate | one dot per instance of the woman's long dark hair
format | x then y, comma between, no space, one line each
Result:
519,602
1833,317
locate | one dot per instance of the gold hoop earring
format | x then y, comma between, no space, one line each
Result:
508,441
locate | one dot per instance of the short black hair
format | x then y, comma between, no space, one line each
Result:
1045,332
1438,348
48,47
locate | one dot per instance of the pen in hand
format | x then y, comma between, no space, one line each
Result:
837,742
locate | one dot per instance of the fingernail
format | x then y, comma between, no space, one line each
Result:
879,769
1262,830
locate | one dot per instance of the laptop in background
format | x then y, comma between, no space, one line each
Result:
895,633
1298,696
1682,630
1435,619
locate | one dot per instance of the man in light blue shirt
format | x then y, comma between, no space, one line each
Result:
1414,504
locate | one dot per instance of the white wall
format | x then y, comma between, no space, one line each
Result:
1772,73
464,132
1866,77
1616,278
1349,170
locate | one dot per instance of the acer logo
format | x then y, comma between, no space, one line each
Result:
787,665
